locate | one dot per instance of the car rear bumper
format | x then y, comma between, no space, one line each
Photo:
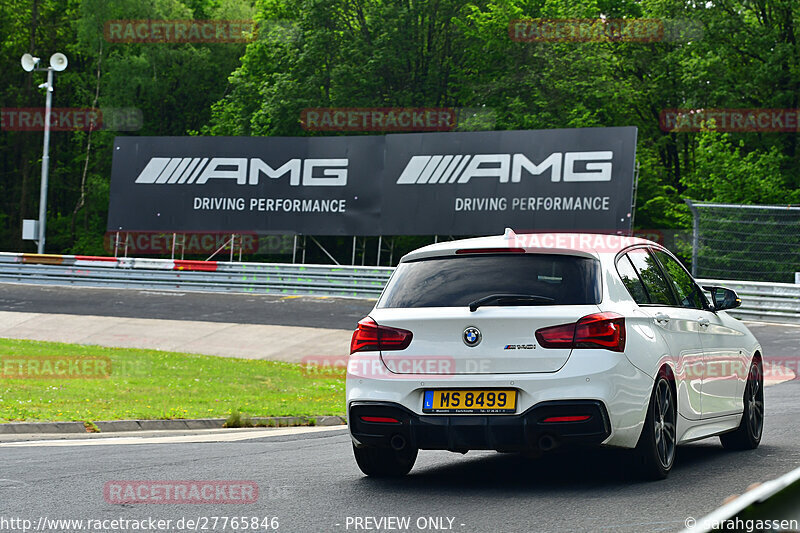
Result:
589,375
522,432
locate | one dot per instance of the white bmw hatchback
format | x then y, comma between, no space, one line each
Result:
531,342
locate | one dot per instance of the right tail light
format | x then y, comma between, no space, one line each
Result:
598,330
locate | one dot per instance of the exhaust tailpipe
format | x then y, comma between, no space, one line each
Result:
398,442
546,443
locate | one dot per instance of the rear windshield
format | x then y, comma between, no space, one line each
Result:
456,281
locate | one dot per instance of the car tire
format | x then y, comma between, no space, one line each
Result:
748,435
385,462
655,451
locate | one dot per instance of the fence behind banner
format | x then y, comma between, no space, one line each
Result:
747,242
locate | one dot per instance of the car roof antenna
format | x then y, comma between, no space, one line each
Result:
509,234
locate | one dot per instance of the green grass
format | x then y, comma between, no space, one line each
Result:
150,384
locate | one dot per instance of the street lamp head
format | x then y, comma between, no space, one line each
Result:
29,62
58,62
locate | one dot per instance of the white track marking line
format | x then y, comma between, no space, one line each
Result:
232,436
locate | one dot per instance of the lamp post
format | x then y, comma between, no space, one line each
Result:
58,62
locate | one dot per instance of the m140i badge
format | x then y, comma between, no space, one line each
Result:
520,347
472,336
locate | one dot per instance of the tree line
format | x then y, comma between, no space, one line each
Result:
303,54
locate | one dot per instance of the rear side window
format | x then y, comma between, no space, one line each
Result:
455,281
631,280
654,281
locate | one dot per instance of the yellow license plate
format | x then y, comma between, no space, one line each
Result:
470,401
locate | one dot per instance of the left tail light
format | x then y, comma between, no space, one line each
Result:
598,330
369,336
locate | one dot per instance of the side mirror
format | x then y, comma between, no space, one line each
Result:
723,298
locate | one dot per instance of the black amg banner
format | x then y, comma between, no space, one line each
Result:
454,183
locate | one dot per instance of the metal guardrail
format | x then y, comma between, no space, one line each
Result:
770,302
206,276
773,302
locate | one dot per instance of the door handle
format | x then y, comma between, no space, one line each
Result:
661,318
703,322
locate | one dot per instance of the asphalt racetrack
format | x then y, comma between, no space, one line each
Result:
337,313
310,482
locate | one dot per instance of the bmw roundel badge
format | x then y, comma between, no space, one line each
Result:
472,336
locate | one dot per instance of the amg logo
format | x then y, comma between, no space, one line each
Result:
245,171
506,167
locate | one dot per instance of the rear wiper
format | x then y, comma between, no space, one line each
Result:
509,299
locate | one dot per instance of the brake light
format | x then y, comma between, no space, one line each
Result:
598,330
577,418
490,251
380,419
370,336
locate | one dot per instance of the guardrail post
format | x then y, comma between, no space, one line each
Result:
380,243
116,244
353,260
